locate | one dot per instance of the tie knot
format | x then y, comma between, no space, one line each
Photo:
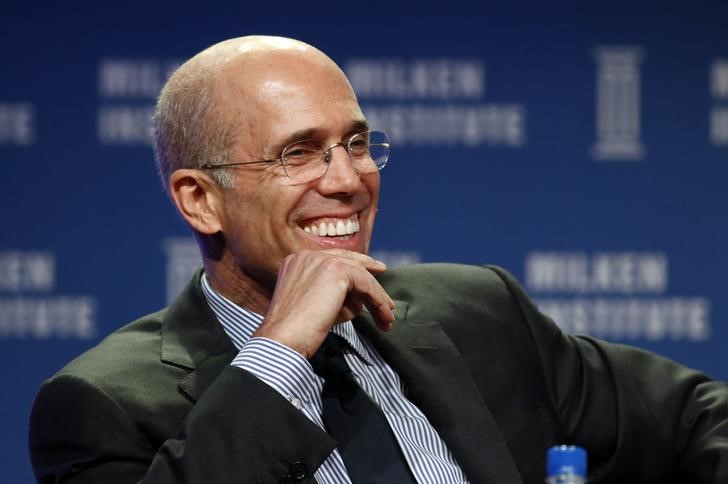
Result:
329,359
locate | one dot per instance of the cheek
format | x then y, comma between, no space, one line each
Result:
253,200
268,217
243,219
372,183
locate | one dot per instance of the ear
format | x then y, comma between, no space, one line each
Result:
198,199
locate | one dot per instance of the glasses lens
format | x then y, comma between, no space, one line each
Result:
369,151
306,160
303,161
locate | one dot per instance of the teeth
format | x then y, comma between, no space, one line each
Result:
334,228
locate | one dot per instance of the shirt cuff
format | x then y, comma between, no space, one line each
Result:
281,367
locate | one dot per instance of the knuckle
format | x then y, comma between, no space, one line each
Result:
300,255
333,264
290,260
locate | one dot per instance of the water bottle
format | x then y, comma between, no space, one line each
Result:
566,464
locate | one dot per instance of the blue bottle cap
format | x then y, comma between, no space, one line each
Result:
566,459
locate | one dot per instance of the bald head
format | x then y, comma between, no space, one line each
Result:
195,122
248,47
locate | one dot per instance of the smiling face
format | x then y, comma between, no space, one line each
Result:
275,98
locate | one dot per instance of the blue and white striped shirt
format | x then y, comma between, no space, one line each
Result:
290,374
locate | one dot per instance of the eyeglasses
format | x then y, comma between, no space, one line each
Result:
309,159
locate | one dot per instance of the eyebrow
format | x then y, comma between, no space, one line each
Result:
357,126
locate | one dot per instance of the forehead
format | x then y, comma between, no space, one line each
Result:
268,97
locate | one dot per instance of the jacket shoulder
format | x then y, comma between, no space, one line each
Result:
440,282
122,375
119,353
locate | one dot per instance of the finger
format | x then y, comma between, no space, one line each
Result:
353,307
371,264
372,287
372,295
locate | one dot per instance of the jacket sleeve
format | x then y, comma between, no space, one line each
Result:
240,430
642,417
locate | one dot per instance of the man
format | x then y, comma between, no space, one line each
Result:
267,156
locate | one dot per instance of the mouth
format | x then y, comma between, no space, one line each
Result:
341,228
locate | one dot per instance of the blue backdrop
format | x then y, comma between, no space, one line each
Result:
584,148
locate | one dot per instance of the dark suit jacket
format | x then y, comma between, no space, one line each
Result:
157,402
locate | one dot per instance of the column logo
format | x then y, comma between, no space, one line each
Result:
719,112
618,114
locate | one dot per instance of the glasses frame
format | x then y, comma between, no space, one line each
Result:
326,156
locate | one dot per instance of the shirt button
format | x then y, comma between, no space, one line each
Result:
295,402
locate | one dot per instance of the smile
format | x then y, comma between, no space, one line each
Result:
332,227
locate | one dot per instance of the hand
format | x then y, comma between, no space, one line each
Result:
319,288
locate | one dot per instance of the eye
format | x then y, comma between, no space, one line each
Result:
359,144
302,152
299,152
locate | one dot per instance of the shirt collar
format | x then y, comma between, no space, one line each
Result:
240,323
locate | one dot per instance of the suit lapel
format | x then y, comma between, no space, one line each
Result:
438,382
193,339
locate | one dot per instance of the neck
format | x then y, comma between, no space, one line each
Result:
237,285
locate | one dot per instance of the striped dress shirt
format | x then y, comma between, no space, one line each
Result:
291,375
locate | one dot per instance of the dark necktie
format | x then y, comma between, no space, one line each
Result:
365,440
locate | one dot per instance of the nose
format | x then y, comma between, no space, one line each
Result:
340,177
